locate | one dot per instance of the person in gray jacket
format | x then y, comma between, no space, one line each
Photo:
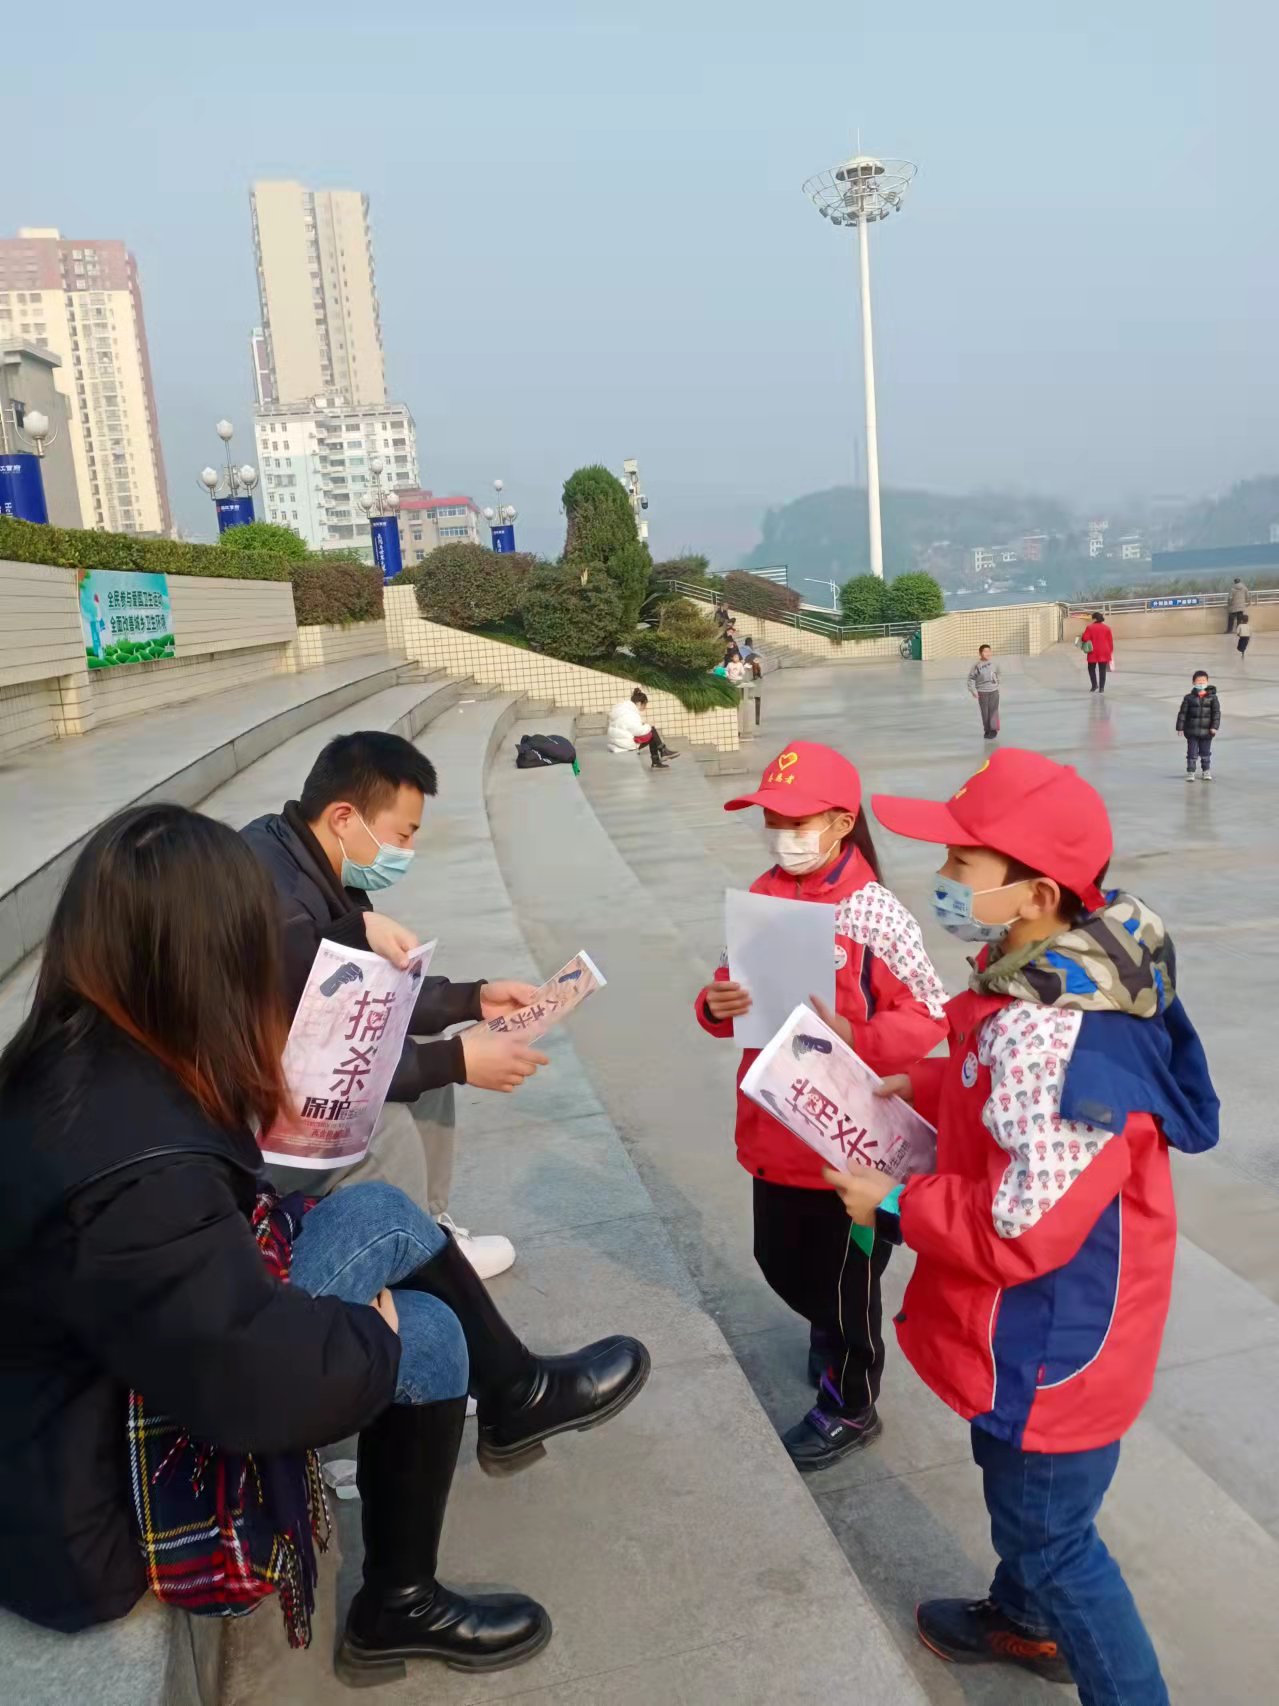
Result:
1236,603
983,684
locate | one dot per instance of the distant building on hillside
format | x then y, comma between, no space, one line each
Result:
1031,547
983,560
1097,538
1130,547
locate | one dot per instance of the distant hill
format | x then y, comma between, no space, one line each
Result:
1243,517
824,533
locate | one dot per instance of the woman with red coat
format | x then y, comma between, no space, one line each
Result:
1098,640
887,989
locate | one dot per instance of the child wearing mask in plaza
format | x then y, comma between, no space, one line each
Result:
983,684
891,998
1045,1239
1198,719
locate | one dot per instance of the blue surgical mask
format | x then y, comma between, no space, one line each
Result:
953,910
388,867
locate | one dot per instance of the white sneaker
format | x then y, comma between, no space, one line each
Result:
488,1253
1207,776
1190,775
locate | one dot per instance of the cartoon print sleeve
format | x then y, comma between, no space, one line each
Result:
877,919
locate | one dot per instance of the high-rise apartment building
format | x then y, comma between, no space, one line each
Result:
319,300
315,458
80,298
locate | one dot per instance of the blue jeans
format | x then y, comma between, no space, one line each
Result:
1055,1575
356,1241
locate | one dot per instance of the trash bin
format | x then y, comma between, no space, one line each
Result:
917,645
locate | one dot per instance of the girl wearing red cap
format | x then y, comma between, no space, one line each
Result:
1045,1239
891,997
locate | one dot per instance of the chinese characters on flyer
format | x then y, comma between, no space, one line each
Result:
823,1092
556,999
343,1048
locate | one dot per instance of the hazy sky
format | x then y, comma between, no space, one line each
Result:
591,242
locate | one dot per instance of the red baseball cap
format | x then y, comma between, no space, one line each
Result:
806,779
1024,806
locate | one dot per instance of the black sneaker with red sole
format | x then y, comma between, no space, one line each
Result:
977,1632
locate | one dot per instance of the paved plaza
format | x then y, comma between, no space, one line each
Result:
682,1559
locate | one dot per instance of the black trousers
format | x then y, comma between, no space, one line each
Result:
804,1251
1232,620
1097,673
654,746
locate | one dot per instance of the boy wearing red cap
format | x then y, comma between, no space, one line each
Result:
1045,1238
890,999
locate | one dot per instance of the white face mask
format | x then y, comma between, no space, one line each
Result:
798,851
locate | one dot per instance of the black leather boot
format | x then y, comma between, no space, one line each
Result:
525,1399
404,1469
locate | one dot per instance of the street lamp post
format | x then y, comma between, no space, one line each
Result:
21,478
861,192
230,488
501,520
382,506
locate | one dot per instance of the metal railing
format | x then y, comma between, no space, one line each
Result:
1165,601
808,621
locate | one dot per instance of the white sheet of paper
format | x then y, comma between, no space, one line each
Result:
783,951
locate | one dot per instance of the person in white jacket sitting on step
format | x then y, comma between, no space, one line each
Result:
628,731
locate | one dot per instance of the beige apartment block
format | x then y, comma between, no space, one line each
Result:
320,317
81,299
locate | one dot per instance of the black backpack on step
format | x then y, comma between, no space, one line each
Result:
534,751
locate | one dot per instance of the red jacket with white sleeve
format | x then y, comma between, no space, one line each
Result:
1046,1236
885,985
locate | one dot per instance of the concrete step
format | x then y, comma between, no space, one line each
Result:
1192,1494
61,791
664,1582
267,783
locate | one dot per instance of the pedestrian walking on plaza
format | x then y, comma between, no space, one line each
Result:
888,1002
348,836
1045,1239
1236,604
1198,719
1098,642
983,684
1243,633
165,1389
629,732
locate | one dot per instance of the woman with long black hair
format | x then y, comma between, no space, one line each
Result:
135,1294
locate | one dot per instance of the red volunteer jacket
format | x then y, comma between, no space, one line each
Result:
885,984
1045,1243
1103,642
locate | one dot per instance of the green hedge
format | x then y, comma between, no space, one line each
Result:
568,620
468,586
325,589
758,597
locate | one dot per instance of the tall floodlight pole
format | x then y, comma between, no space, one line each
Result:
860,192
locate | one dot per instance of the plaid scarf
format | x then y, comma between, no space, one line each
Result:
1119,960
220,1530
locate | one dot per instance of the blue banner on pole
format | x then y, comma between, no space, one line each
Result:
386,545
234,512
503,538
22,487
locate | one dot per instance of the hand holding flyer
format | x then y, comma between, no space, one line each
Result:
344,1045
555,1000
824,1092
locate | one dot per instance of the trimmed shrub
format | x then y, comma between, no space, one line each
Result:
864,601
78,548
335,591
467,586
601,534
265,538
758,597
678,648
692,567
569,620
915,597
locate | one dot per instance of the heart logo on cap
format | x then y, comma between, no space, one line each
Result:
787,759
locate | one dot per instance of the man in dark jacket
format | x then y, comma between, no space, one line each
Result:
350,835
1199,719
